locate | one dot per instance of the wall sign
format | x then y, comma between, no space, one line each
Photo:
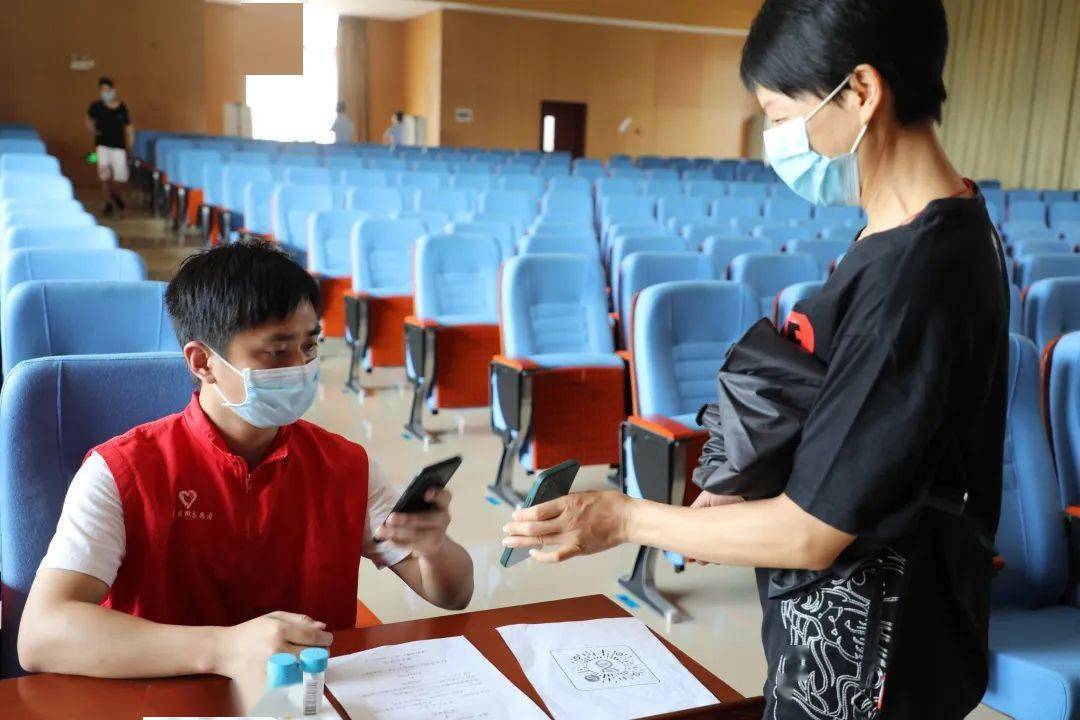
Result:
463,115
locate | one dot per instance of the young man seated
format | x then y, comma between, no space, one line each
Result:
208,540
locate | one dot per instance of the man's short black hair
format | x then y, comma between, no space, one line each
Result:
341,106
400,115
105,80
810,46
221,292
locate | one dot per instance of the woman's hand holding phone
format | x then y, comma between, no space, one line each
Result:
577,524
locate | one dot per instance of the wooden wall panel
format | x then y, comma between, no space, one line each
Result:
715,13
152,49
423,69
248,39
681,89
386,74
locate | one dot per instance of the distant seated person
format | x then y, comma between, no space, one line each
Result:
110,123
343,129
206,541
395,134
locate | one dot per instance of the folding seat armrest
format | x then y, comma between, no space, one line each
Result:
664,427
625,356
518,364
999,564
419,349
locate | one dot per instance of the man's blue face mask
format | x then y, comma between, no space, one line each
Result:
275,397
814,177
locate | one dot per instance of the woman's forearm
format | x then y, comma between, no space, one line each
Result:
764,533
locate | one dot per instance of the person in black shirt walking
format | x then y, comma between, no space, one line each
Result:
108,119
895,489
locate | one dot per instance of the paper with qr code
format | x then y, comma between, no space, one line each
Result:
610,669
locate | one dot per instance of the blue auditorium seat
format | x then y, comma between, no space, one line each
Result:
725,210
328,236
722,249
500,231
250,157
1051,197
432,166
1026,230
514,206
291,206
1022,195
993,195
645,269
421,180
557,348
1027,211
616,186
552,171
662,174
50,263
748,189
29,184
337,163
1033,268
307,176
697,176
1051,309
624,246
89,238
696,233
189,164
258,206
568,244
1062,213
357,177
29,162
477,181
838,215
678,211
657,188
566,207
454,330
573,184
26,146
824,251
995,212
235,178
709,189
769,273
1020,248
787,209
681,333
625,209
1061,376
1016,308
52,412
626,173
435,221
67,217
386,164
381,255
793,294
454,202
1034,639
84,317
531,185
379,202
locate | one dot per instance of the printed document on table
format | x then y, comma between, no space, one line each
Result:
610,669
446,678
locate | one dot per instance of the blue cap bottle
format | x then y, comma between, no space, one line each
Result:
314,660
282,669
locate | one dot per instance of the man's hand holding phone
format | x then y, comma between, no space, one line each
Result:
421,532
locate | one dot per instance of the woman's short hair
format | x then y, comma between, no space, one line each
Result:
810,46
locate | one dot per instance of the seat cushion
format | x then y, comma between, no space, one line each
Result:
565,360
454,320
1035,663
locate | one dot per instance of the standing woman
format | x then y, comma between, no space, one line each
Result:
896,486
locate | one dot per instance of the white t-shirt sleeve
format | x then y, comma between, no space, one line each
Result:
381,499
90,536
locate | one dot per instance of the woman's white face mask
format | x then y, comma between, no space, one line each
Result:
814,177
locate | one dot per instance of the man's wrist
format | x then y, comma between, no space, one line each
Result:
211,650
629,519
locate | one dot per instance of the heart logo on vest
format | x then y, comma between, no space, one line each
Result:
187,497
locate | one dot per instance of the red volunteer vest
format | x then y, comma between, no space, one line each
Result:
212,542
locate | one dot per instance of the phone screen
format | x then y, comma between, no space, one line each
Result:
550,484
433,476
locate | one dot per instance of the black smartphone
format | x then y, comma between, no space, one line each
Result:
433,476
550,484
